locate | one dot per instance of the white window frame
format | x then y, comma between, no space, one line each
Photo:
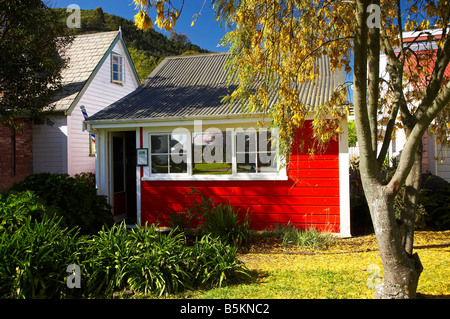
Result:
254,151
168,174
281,173
121,68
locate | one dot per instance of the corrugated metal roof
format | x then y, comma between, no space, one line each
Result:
84,53
194,85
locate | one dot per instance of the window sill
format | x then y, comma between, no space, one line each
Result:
240,177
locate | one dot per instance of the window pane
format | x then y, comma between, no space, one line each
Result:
118,68
246,141
159,143
212,169
246,163
160,164
178,167
122,65
212,153
178,142
265,142
268,164
178,153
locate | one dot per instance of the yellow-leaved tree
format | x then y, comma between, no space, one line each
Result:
277,43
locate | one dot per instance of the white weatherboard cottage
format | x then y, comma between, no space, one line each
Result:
99,72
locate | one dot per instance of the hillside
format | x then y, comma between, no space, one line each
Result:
146,48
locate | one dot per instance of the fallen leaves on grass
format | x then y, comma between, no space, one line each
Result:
341,271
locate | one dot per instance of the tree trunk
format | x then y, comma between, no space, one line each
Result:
410,200
401,270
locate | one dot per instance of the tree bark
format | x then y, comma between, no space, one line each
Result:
401,270
410,201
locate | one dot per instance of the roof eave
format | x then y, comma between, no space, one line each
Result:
114,123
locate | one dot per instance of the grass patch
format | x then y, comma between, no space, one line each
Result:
292,236
340,272
292,284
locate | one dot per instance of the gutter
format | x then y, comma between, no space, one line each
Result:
168,121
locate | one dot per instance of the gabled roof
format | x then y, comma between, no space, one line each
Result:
193,86
86,54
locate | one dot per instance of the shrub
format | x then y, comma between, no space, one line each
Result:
223,222
218,220
105,258
161,262
152,262
34,258
15,208
73,199
437,207
215,261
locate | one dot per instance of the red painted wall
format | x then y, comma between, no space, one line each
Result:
309,198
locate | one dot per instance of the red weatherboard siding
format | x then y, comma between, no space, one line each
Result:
309,198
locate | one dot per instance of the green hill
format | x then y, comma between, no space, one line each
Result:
147,48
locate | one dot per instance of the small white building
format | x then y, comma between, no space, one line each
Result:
99,72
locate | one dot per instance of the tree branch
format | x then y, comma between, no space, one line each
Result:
320,46
415,138
434,85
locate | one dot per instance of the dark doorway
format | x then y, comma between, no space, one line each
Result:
123,146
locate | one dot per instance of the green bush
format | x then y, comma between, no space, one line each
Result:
161,262
36,248
15,208
73,199
218,220
223,222
437,208
152,262
215,261
34,258
105,259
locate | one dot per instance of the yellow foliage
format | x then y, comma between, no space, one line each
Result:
277,43
142,20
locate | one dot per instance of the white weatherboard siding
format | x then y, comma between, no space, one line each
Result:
442,162
50,147
99,94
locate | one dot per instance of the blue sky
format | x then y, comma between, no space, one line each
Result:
206,32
